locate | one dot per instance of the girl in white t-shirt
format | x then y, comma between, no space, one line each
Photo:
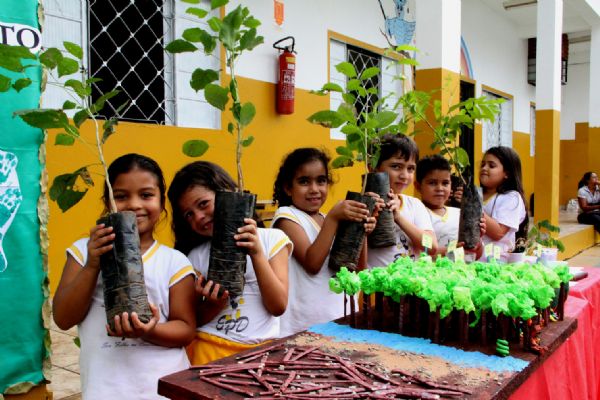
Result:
128,362
228,327
503,203
300,190
399,156
588,196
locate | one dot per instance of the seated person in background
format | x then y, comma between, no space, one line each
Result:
433,181
588,196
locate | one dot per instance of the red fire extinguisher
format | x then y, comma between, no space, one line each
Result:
287,77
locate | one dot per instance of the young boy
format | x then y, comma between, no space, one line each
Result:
399,155
434,183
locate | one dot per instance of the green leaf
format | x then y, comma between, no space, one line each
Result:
384,118
354,137
327,118
217,3
369,73
99,104
62,139
194,148
68,105
333,87
80,117
249,40
343,151
200,35
76,341
5,83
406,47
74,49
353,85
346,111
462,156
216,96
247,113
230,127
11,63
251,22
341,162
64,192
248,141
191,1
180,46
67,66
347,69
215,24
109,128
202,77
21,84
92,80
349,98
16,52
408,61
43,118
349,130
234,18
198,12
51,57
78,87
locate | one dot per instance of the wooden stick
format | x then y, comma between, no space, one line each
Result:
429,383
305,352
261,380
221,369
255,354
228,387
289,353
288,380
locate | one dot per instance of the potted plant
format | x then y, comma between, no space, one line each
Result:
446,130
363,131
236,31
540,242
122,269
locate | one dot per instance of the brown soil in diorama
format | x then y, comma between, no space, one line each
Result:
123,271
471,210
384,233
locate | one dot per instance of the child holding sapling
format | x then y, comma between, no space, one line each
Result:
227,326
130,360
503,199
434,183
399,155
300,190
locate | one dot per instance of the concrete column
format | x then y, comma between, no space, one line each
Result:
438,40
594,102
548,97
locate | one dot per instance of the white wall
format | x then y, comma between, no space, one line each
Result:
498,56
308,21
575,99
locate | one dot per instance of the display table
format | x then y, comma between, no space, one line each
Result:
572,372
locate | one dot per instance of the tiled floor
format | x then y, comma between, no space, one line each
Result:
65,354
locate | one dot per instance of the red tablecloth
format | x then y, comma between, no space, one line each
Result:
572,372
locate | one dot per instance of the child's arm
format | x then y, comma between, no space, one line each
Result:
494,229
414,233
178,331
77,284
312,255
271,274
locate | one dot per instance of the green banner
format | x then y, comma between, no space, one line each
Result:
24,342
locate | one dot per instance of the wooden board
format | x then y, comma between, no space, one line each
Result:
482,383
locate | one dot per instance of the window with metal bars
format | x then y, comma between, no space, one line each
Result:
127,38
362,59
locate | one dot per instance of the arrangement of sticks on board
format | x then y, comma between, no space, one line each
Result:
305,372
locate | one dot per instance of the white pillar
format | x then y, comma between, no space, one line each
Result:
549,47
438,34
594,103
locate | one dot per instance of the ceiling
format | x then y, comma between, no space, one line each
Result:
577,18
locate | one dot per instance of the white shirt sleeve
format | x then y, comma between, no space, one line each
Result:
422,219
509,210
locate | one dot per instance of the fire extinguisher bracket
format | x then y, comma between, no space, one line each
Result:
285,89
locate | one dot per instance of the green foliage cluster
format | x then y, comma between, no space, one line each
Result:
236,31
540,234
11,59
363,132
515,290
68,189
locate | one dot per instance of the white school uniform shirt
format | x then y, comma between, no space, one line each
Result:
507,209
445,226
250,322
415,212
112,368
585,193
310,301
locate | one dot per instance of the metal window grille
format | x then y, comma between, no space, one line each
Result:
127,39
499,132
363,59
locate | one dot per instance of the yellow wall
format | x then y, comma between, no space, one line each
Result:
547,161
275,135
574,162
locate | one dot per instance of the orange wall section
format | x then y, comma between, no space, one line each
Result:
574,162
547,163
275,135
521,144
